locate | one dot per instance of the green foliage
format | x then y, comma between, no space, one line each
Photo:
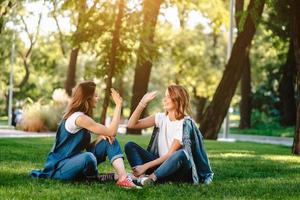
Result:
268,54
263,120
242,171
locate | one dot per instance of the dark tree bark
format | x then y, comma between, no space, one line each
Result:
216,111
112,59
245,104
246,95
200,103
71,73
287,90
145,55
200,106
295,6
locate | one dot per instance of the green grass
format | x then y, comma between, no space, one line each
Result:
242,171
266,131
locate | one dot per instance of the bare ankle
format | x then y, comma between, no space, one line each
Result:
153,177
122,177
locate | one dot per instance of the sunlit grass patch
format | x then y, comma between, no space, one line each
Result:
243,170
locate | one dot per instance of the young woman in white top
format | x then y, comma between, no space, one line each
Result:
171,162
68,159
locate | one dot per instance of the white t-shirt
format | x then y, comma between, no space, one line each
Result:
168,131
70,124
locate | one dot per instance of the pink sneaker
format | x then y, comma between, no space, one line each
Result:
128,184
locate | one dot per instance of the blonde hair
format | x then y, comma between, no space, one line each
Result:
181,99
81,100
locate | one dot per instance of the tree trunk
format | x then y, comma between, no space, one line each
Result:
145,55
246,96
295,6
245,104
71,74
112,59
286,90
216,111
200,105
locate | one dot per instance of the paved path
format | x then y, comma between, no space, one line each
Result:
11,133
259,139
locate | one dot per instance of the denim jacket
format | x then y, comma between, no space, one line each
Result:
192,140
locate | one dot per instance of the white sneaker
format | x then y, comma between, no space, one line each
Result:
132,177
144,181
208,180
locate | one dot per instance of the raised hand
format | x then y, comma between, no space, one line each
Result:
116,97
148,97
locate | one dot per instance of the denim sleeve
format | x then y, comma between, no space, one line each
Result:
187,144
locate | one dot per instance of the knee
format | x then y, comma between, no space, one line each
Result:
89,159
128,146
179,155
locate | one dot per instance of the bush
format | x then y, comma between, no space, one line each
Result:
32,118
38,117
261,120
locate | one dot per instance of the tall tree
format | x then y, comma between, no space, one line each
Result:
245,103
287,89
112,58
295,6
216,111
71,71
280,25
145,54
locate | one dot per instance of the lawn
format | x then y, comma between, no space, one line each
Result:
242,171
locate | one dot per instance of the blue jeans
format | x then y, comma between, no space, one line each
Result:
176,168
85,164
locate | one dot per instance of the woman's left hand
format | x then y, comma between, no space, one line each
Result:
139,170
110,139
102,137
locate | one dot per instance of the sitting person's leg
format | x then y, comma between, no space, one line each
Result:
77,167
104,148
176,168
114,153
137,155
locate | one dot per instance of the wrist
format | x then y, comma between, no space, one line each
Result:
143,104
146,166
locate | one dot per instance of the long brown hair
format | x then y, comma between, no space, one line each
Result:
82,98
181,100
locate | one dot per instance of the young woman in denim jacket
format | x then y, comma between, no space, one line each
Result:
176,151
67,160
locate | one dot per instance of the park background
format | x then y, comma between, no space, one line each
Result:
239,59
